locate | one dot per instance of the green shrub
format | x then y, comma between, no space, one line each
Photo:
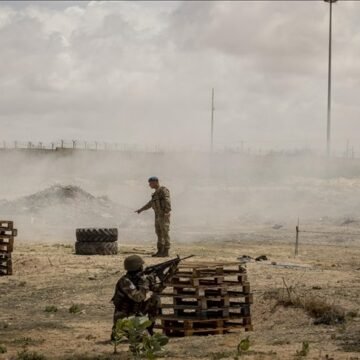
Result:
74,309
304,350
51,309
3,349
141,344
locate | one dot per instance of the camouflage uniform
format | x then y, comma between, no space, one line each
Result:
160,202
130,298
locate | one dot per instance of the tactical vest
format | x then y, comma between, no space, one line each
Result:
122,302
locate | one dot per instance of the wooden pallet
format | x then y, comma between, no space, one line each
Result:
207,298
188,326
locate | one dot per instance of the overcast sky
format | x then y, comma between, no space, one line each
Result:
142,72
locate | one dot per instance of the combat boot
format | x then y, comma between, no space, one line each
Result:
158,253
165,253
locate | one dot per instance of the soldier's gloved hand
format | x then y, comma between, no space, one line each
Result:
152,279
144,282
173,269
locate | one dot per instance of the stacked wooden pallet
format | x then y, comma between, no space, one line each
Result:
206,298
7,234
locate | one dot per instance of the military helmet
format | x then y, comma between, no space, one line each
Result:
153,178
133,263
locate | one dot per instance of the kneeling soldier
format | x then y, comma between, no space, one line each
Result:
136,294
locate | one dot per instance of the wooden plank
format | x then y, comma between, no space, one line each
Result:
5,256
5,236
6,270
210,274
6,247
5,224
208,264
8,232
192,307
190,332
203,286
7,241
197,320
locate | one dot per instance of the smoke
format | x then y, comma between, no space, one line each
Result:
50,193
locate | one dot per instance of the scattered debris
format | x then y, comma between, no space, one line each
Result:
261,258
316,287
245,258
137,251
291,265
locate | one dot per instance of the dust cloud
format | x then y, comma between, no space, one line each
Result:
50,193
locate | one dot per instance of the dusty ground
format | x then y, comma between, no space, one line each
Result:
48,274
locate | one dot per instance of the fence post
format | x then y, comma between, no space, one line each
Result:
297,240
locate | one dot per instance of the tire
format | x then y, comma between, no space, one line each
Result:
96,248
96,235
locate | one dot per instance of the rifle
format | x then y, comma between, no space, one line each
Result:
159,269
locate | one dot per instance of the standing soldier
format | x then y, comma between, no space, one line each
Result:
160,202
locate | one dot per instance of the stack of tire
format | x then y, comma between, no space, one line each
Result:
96,241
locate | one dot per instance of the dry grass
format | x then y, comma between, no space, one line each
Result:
315,306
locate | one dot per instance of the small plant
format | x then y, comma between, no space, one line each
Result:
304,350
27,355
3,349
51,309
74,309
243,346
134,329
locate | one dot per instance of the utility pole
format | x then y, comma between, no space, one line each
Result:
212,119
328,128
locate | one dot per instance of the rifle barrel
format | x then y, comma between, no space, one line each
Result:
187,257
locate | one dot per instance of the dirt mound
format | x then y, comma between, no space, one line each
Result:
67,207
52,196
